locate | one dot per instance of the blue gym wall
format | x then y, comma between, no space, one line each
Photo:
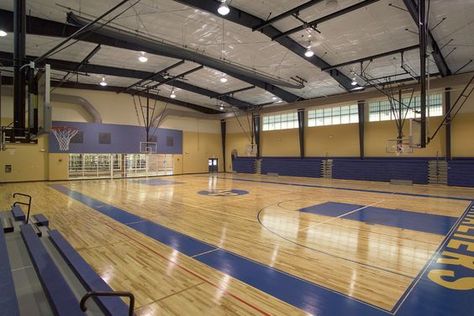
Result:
125,139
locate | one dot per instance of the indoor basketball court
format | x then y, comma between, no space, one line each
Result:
235,157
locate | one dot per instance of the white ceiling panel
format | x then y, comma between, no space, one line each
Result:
374,29
456,31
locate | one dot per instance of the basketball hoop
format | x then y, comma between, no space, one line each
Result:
399,147
64,134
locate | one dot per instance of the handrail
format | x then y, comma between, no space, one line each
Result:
116,293
22,203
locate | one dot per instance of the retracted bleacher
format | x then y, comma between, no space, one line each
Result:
461,172
42,274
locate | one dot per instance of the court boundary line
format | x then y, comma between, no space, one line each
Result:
408,291
457,198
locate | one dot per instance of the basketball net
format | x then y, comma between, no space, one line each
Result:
64,136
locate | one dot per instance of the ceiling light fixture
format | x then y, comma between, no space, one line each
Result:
354,82
221,107
309,52
103,83
173,95
223,80
223,8
142,58
274,98
3,33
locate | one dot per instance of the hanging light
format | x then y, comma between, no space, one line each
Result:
354,82
221,107
103,83
223,8
223,79
142,58
274,98
309,52
173,95
3,33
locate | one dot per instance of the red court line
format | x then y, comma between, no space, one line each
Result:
192,272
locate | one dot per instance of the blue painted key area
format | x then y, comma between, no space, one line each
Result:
293,290
428,223
333,209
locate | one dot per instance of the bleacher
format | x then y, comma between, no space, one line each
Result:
243,164
383,169
42,274
460,171
290,166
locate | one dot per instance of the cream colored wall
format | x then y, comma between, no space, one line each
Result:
462,127
58,166
197,148
332,141
29,162
377,134
236,141
282,143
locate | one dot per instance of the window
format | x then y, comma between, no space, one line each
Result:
280,121
381,110
336,115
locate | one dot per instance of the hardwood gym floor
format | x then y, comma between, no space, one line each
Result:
247,245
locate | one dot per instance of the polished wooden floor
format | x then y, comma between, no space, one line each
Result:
371,263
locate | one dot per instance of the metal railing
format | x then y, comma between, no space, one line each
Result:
22,203
117,293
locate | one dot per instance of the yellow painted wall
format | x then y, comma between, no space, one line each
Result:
58,166
29,162
332,141
377,134
463,125
239,142
282,143
178,164
197,148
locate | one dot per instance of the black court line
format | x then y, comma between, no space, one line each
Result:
458,198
